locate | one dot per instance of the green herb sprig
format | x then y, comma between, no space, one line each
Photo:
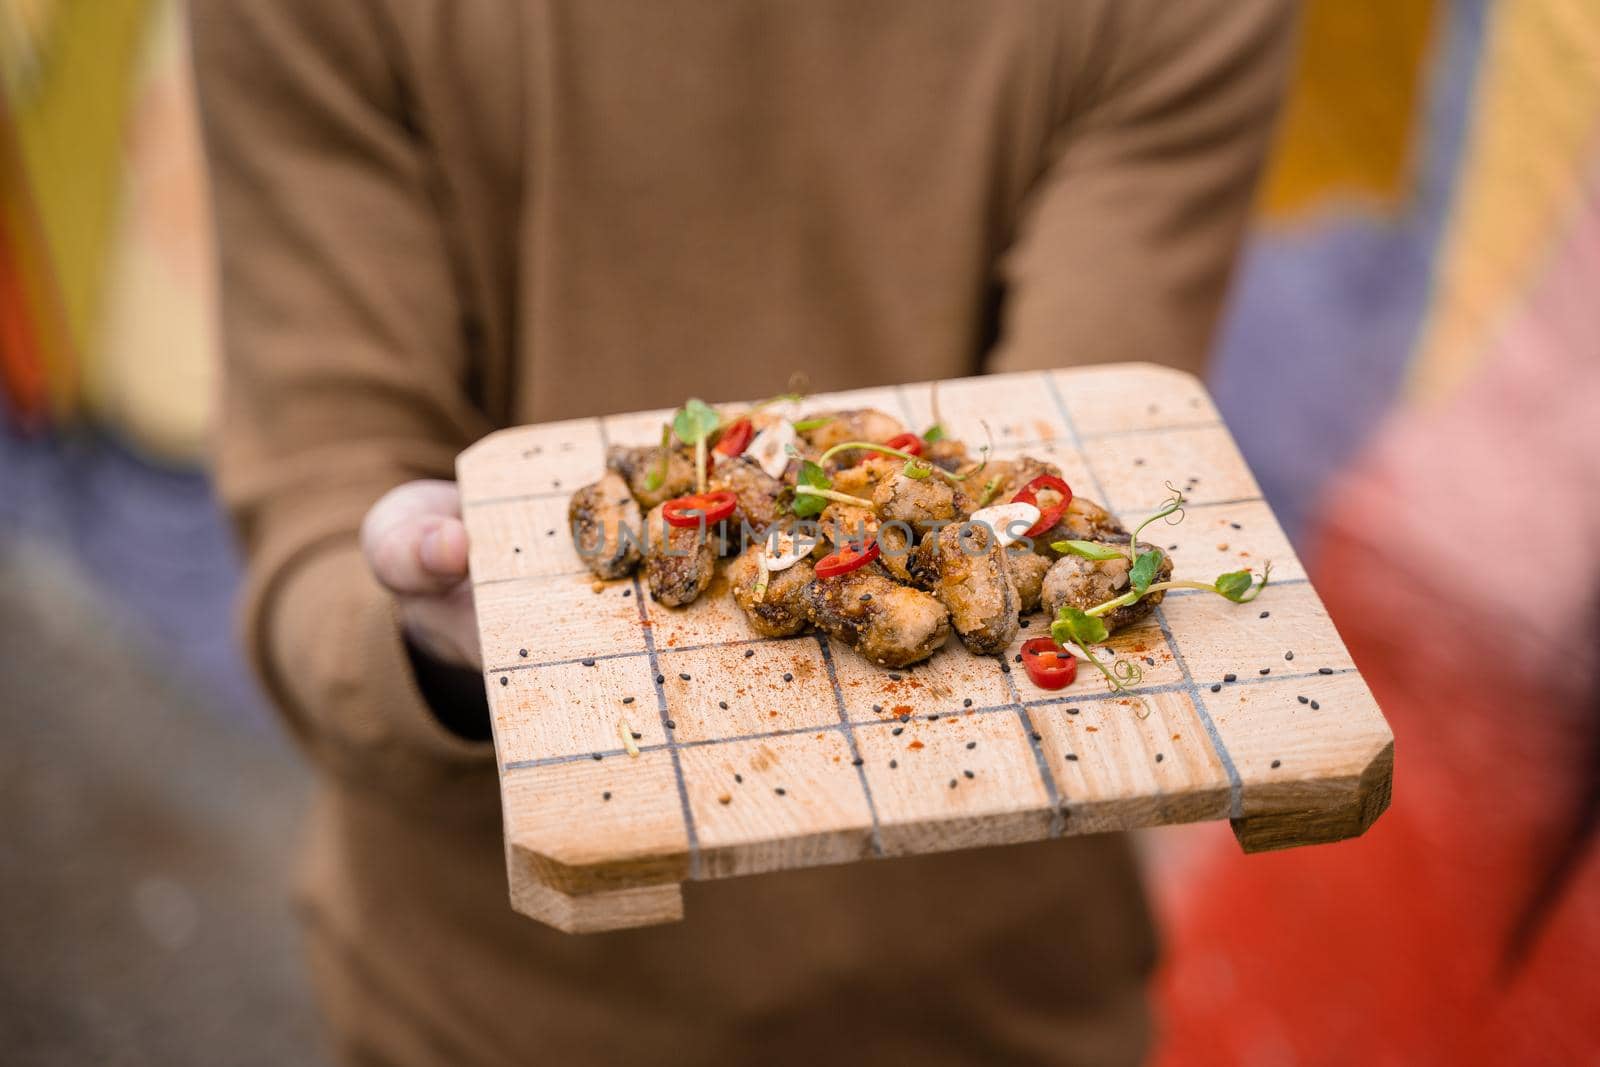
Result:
1078,628
693,423
813,489
654,479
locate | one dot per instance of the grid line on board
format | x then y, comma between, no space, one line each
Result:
666,731
1058,821
850,739
854,725
1235,783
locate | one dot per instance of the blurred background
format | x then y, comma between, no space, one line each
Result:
1436,158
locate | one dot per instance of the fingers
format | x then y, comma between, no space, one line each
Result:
414,540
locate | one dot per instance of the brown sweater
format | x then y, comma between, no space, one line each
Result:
438,217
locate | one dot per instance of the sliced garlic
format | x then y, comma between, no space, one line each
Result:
1008,521
784,550
770,448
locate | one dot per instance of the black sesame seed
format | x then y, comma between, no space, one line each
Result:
1216,688
1277,763
1172,548
858,761
1035,734
627,592
723,704
1023,623
606,795
660,678
1324,670
974,744
1017,658
1149,661
1265,670
893,764
1073,756
637,736
671,725
627,700
969,774
1073,711
893,677
597,757
905,716
781,791
739,778
517,549
504,680
952,783
1264,614
522,652
1230,677
788,677
1160,756
1303,700
1236,526
877,709
1315,706
865,597
898,730
1005,668
967,703
588,661
549,533
749,652
682,676
933,718
1288,655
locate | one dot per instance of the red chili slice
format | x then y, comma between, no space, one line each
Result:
699,508
1049,666
736,438
1048,517
846,560
906,442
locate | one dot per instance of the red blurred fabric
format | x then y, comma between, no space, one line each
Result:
1460,558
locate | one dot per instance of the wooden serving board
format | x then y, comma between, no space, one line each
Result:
761,755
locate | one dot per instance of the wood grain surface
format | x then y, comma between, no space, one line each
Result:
761,755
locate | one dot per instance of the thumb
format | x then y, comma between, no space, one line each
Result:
422,555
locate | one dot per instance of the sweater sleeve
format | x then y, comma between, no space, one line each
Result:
344,364
1126,243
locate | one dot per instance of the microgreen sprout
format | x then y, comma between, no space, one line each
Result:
1076,630
1241,587
693,423
936,431
1088,550
911,460
762,405
807,425
989,491
1173,505
766,575
813,487
654,479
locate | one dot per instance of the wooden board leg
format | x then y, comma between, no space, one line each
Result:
1286,829
613,909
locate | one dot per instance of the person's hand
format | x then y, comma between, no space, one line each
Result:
416,545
